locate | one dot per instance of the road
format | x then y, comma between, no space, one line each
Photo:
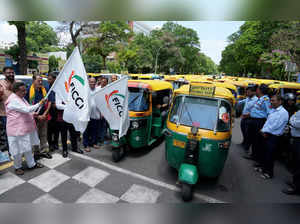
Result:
141,177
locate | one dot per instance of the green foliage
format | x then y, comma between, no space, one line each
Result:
53,63
114,67
92,63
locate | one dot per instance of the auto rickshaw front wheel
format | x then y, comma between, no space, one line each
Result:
118,154
186,192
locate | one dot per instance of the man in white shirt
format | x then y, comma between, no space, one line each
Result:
91,133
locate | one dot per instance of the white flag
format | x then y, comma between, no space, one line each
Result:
73,88
112,101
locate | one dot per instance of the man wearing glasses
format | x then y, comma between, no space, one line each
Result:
5,91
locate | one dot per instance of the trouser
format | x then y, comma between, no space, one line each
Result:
73,136
3,136
91,133
269,147
255,137
295,144
244,129
29,160
42,132
52,133
102,129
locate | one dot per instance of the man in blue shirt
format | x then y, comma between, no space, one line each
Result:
271,132
249,104
258,115
35,93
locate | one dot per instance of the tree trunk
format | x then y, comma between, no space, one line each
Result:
21,28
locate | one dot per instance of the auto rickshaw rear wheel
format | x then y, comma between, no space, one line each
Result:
118,154
187,192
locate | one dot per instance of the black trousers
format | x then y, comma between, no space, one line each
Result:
255,138
295,144
269,148
52,133
63,128
244,128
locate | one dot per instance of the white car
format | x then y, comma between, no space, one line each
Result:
27,79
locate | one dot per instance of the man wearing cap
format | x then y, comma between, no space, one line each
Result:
258,117
249,104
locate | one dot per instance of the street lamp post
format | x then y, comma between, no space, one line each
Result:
157,58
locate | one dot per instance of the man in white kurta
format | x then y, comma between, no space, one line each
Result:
21,128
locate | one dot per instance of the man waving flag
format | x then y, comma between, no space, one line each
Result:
112,102
72,87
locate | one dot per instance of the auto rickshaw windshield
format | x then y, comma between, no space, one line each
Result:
200,112
138,99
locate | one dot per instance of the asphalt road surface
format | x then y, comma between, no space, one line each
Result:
143,176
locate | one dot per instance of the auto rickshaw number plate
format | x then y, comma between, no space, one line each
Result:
178,143
202,90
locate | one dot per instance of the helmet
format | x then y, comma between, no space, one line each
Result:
289,96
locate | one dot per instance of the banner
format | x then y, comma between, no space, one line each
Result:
73,88
112,101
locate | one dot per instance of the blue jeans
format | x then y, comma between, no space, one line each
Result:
90,135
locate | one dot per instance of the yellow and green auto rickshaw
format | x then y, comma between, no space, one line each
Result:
198,133
148,107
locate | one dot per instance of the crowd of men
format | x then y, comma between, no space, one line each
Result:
271,126
31,125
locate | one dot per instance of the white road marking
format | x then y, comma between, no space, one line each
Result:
56,160
97,196
48,180
47,199
140,194
91,176
9,181
147,179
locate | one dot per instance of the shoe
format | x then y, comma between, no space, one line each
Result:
78,151
290,184
65,153
36,166
46,155
266,176
19,172
96,146
248,157
87,149
258,169
290,191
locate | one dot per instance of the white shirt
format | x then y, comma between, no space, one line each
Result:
95,113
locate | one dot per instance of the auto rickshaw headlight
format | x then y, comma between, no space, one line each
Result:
135,124
115,137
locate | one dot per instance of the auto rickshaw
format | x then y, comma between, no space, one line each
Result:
148,107
198,133
284,87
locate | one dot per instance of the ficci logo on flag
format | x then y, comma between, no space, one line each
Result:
79,102
115,102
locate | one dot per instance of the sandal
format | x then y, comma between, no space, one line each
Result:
265,176
87,149
19,172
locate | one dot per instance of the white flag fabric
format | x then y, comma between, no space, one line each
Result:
112,101
73,88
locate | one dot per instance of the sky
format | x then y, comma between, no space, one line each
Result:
212,34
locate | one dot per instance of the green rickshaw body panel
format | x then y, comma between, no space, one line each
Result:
188,174
138,138
211,159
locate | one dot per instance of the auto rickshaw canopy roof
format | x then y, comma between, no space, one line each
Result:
220,92
284,85
155,85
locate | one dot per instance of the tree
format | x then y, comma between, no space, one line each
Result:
53,63
40,37
22,54
92,63
74,28
107,39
